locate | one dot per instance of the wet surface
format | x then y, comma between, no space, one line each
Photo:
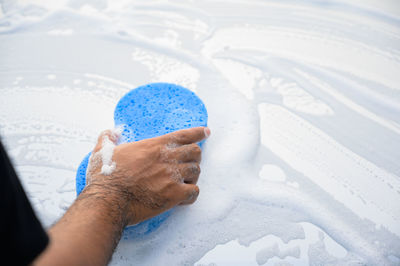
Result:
304,105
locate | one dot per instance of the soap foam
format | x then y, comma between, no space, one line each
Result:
104,156
107,151
318,100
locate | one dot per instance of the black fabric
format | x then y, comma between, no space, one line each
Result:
23,237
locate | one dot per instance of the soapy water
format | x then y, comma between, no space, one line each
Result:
107,151
303,101
104,155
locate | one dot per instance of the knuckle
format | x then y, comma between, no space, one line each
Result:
197,153
168,171
197,149
164,153
196,169
172,139
195,192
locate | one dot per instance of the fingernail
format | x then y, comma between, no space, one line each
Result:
194,194
207,132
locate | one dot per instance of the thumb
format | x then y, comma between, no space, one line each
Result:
107,135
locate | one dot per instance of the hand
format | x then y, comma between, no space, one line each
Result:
150,176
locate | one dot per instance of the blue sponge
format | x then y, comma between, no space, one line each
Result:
149,111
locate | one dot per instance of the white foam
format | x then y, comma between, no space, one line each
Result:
64,32
304,112
272,173
107,151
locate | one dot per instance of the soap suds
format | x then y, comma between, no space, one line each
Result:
272,173
318,101
267,253
104,156
107,150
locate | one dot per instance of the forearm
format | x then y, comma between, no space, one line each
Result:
151,176
88,232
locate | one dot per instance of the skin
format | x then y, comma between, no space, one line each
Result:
151,176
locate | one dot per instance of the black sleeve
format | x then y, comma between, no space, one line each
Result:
22,234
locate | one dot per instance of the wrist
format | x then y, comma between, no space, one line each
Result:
113,202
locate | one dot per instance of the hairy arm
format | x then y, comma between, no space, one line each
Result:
150,177
88,232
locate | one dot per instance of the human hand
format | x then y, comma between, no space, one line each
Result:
147,177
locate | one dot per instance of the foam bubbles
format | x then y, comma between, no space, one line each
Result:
107,151
301,167
272,173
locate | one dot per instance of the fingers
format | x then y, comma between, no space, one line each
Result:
190,193
188,190
186,153
190,172
188,136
